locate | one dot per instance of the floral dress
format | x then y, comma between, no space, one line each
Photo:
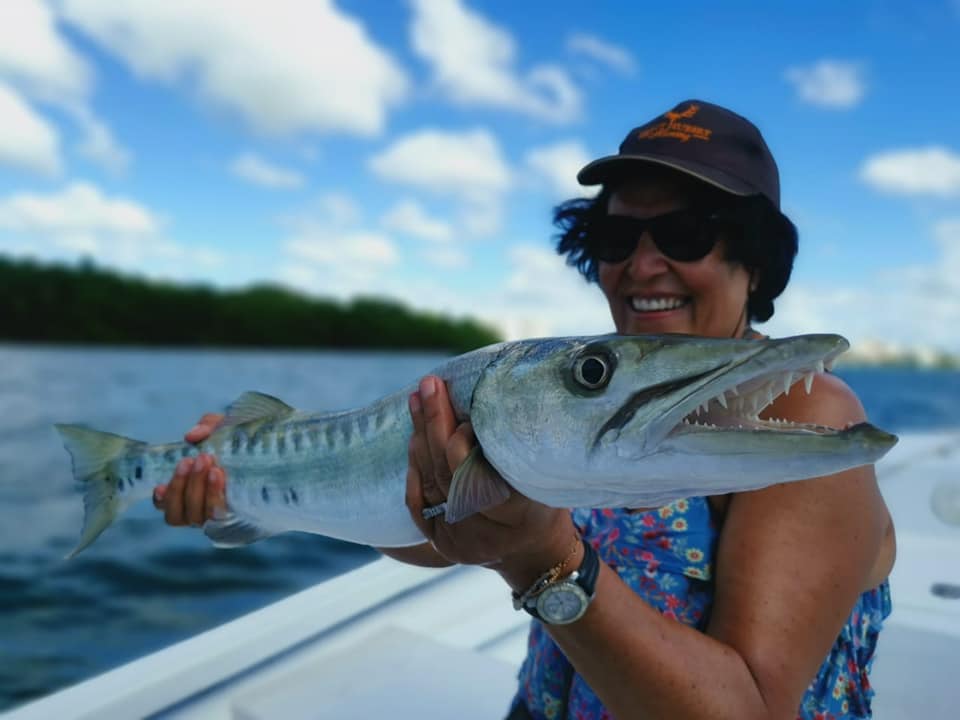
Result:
666,555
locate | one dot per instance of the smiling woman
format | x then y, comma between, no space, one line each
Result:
771,600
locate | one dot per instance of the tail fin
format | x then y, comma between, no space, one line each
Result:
93,452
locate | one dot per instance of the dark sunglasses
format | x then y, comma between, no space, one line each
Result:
683,235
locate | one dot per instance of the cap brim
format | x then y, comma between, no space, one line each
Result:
600,170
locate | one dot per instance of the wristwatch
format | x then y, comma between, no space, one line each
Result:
566,600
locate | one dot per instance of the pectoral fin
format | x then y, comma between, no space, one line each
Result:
475,486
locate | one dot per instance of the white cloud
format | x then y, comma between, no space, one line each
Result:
81,207
98,143
341,264
447,163
409,217
921,310
543,296
254,169
328,252
34,55
829,83
27,140
39,62
364,248
602,51
558,165
931,170
473,64
82,220
446,257
468,166
284,66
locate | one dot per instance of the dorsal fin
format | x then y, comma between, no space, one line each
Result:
255,406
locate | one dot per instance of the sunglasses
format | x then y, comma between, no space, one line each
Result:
683,235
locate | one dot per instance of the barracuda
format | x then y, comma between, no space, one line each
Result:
607,421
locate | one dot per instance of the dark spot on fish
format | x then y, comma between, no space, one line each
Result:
281,444
235,443
170,455
265,494
185,451
297,441
138,473
363,423
119,482
293,497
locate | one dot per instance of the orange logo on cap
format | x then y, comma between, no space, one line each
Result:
674,127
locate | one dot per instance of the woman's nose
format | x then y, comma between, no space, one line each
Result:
646,258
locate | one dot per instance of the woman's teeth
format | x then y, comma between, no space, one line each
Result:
656,304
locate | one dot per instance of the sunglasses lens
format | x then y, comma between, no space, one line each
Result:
683,236
615,238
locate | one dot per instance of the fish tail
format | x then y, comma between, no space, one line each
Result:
93,454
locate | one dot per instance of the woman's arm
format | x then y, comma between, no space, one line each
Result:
791,562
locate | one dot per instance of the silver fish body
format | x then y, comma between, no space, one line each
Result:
608,421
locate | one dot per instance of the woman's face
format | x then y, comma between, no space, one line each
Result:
650,293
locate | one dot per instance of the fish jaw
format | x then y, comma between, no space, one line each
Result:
747,376
782,450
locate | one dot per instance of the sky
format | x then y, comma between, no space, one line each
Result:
414,148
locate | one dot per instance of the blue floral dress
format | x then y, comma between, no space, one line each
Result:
666,555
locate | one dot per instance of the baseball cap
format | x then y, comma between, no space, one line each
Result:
700,139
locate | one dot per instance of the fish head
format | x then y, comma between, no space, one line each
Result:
671,408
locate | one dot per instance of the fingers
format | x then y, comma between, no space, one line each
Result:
440,425
173,499
204,427
195,494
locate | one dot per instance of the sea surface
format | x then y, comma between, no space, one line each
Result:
142,585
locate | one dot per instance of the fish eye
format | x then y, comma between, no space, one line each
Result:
592,371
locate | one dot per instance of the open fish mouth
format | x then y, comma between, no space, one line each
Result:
738,406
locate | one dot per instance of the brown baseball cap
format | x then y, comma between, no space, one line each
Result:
700,139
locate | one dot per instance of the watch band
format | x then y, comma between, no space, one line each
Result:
585,576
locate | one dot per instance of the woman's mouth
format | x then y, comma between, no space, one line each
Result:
657,303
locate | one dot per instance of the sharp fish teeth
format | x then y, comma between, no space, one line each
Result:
820,366
828,365
722,400
787,382
808,382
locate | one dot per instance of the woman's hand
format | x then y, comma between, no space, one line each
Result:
196,490
519,538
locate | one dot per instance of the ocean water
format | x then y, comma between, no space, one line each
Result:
142,585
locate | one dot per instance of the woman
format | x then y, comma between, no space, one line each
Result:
764,604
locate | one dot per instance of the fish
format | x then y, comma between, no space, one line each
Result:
588,421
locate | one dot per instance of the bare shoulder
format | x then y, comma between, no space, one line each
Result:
830,402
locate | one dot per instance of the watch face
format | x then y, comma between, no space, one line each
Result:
562,603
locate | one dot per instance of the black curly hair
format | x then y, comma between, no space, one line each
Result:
757,235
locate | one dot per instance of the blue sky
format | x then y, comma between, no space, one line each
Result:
414,148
